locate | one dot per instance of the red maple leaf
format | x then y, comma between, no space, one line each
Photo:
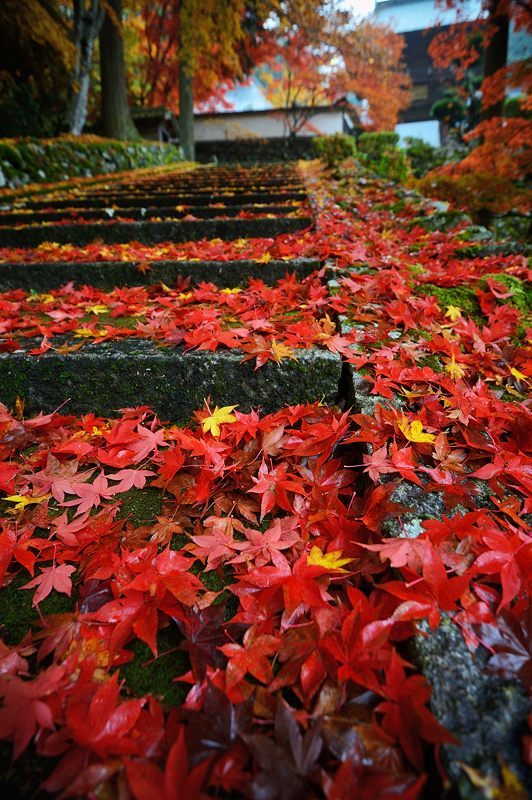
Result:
177,782
54,577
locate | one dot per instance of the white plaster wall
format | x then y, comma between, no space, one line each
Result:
227,126
420,14
428,130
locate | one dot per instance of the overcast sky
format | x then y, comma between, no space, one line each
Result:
360,7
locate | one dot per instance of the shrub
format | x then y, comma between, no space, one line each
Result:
479,192
375,144
423,157
335,148
380,153
516,107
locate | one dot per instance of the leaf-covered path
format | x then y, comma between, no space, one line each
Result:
265,491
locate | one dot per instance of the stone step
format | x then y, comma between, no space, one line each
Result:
154,178
195,185
174,199
151,232
25,217
101,378
486,713
213,193
43,276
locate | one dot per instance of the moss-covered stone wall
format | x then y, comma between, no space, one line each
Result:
24,161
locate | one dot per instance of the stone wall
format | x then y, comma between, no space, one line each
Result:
24,161
250,150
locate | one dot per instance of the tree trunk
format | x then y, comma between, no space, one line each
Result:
117,122
77,111
86,27
186,89
186,113
496,54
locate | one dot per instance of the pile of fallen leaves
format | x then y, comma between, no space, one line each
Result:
265,572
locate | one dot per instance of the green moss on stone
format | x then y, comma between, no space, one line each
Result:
416,269
146,674
461,296
17,615
521,292
431,361
107,319
25,160
141,505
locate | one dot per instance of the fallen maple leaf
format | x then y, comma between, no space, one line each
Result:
129,478
329,561
21,501
217,418
413,431
53,577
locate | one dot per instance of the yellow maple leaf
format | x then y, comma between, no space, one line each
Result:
84,332
520,376
265,258
21,501
280,351
454,370
453,312
40,298
98,309
327,326
413,431
510,789
217,418
330,561
236,290
20,405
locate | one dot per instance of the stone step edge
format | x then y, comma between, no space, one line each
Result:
153,201
152,232
13,218
106,377
486,712
46,275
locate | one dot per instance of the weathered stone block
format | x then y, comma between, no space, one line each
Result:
44,276
151,232
102,378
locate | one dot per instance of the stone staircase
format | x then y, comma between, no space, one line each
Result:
203,203
101,378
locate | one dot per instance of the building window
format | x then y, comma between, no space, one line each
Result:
420,93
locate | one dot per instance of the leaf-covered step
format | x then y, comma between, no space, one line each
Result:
43,276
221,187
28,217
147,200
151,232
102,378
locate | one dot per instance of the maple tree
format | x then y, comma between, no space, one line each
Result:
318,66
500,143
185,56
314,53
